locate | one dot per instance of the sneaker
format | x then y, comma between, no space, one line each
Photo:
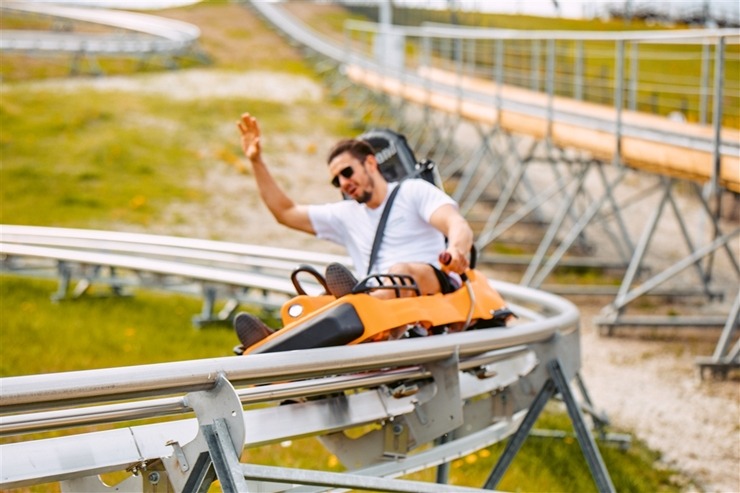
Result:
249,329
339,280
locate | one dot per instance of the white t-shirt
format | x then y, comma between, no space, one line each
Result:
408,235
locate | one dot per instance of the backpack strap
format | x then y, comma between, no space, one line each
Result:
381,228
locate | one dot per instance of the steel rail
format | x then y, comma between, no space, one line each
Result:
147,35
14,424
419,87
17,391
344,480
466,32
76,253
178,32
224,276
99,452
108,44
121,241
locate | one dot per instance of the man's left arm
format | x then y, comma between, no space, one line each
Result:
459,235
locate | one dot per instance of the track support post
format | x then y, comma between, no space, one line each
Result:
556,383
437,410
214,452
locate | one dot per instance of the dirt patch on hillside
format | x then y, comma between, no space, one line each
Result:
234,37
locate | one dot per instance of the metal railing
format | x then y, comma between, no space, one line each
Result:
77,258
618,69
548,74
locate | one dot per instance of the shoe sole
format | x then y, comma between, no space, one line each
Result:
339,280
249,329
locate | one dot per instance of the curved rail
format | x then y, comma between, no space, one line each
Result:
245,273
147,34
484,366
166,246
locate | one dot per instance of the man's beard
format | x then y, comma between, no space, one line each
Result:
367,194
364,197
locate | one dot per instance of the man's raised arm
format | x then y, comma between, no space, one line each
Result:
280,205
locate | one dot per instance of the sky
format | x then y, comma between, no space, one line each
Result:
583,8
566,8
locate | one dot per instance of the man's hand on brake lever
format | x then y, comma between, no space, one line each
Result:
453,261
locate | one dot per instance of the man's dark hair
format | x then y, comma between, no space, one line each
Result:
359,149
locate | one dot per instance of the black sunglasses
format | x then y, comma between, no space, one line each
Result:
346,172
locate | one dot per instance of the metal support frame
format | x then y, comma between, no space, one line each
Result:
208,314
164,39
214,452
499,163
317,481
557,383
437,411
724,359
88,275
537,277
193,467
465,392
152,479
502,164
613,315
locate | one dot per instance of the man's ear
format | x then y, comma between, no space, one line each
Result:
372,163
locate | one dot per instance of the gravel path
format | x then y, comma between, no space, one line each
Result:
649,386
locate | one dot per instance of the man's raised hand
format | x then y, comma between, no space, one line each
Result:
250,137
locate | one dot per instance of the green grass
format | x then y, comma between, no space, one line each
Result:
99,331
77,155
95,158
83,155
544,462
107,159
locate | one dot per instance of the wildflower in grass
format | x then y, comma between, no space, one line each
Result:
138,202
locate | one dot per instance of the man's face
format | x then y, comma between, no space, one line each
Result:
352,177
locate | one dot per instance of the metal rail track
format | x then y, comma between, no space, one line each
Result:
139,35
477,387
216,271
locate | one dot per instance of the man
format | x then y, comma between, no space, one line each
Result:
420,219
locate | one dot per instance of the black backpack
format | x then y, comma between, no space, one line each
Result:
396,160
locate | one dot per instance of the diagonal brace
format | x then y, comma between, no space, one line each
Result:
555,384
225,458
